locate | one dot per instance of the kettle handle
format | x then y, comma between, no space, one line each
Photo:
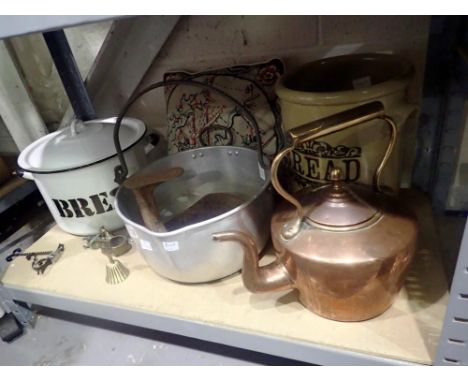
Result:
326,126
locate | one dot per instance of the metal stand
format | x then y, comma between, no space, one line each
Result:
22,313
453,342
69,74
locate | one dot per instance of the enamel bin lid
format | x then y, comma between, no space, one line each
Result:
79,145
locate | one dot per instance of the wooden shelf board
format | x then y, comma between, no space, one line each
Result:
408,331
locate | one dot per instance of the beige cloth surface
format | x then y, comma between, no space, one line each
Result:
408,331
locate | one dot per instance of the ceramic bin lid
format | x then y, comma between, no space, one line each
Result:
79,145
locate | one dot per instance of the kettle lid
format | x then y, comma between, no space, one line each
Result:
337,207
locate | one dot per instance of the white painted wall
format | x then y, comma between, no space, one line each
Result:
204,42
34,61
17,110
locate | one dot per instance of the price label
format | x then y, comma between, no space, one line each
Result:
171,246
146,245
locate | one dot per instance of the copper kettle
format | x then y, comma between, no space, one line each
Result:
345,248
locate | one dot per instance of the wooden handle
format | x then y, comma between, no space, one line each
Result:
152,178
142,186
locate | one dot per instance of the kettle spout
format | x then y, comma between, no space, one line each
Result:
271,277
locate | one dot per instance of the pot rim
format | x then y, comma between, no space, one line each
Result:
380,89
266,184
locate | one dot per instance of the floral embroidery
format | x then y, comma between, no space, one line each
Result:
200,117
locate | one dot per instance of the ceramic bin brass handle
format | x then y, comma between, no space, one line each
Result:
326,126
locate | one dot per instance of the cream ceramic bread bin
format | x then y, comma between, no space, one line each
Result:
331,85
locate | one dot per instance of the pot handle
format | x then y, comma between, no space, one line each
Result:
121,171
23,174
323,127
75,125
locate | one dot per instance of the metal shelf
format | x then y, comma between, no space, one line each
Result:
453,343
450,338
11,26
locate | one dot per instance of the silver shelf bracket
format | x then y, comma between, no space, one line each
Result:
453,342
23,313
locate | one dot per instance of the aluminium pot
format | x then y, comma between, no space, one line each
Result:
74,170
188,254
